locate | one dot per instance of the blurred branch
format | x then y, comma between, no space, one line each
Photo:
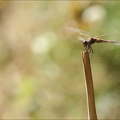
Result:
89,87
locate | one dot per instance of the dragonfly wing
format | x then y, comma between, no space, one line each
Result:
82,32
82,39
103,35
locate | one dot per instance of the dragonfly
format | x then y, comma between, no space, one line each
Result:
89,40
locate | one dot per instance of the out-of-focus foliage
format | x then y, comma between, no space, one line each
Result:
41,72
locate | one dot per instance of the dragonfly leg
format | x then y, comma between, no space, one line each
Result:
85,48
90,50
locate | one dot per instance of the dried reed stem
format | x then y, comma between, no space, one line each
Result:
89,87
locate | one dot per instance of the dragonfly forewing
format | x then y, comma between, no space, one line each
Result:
82,32
102,35
82,39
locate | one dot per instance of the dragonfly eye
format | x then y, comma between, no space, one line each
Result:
85,43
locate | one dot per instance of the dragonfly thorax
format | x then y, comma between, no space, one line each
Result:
92,40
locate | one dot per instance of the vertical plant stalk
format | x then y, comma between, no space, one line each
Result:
89,87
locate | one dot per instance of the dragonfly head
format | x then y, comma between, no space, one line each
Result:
85,43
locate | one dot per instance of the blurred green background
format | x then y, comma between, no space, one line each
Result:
41,71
